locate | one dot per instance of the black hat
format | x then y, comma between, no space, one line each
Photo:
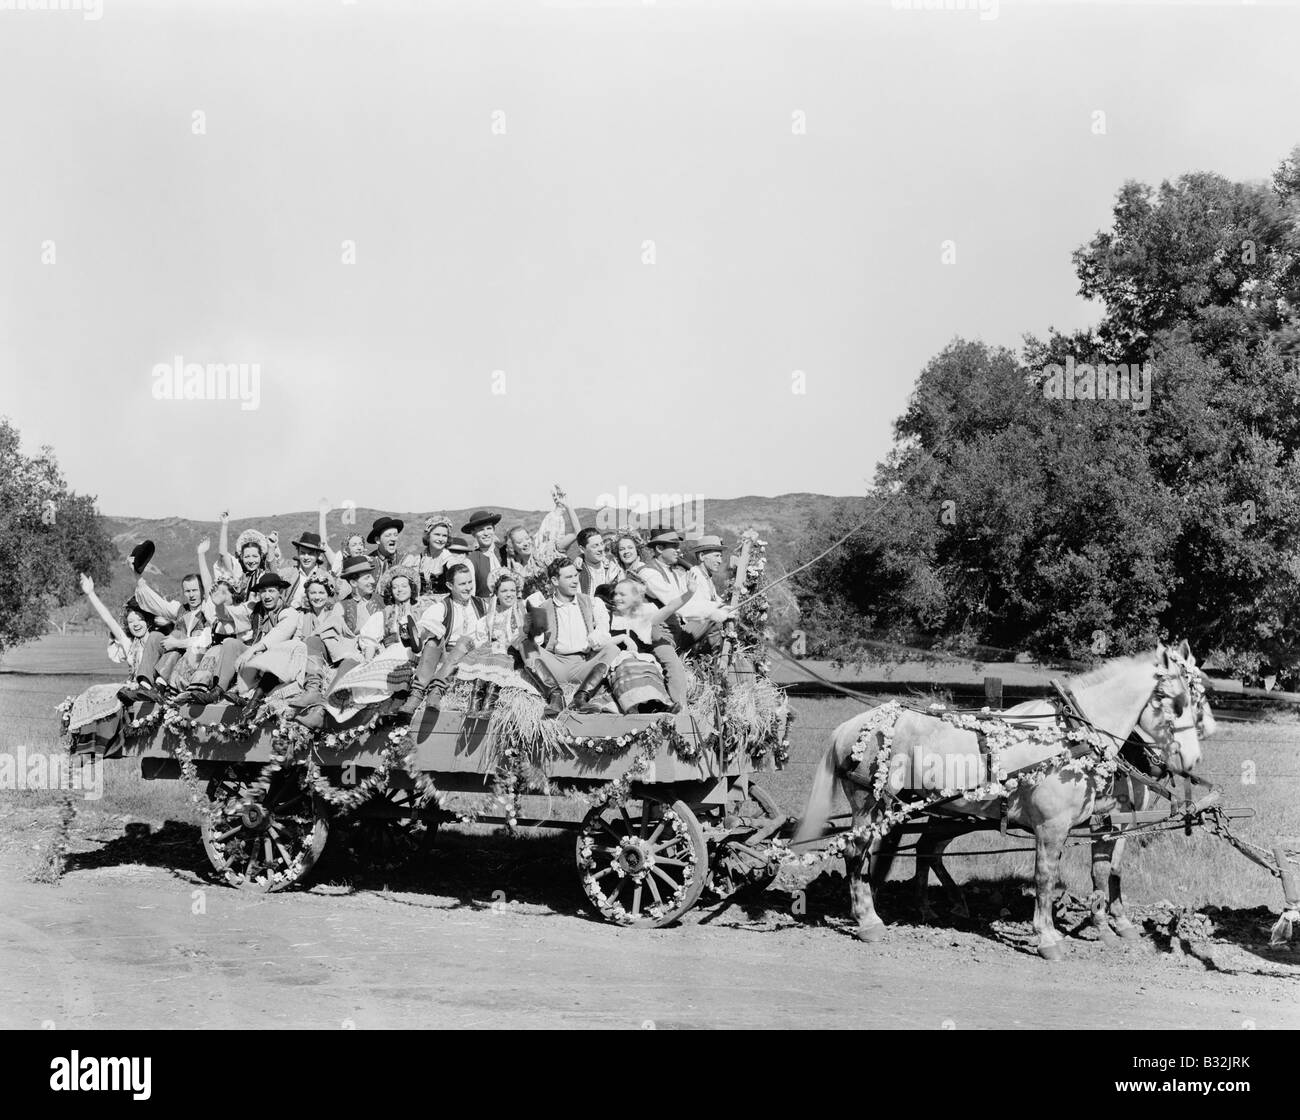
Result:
666,538
269,580
310,541
383,524
140,556
478,519
355,566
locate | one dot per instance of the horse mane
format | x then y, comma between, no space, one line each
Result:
1109,669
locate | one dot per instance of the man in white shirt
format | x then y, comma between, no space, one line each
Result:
191,617
451,628
597,567
309,561
569,640
704,613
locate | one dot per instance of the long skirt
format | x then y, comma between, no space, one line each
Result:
495,668
286,662
636,682
386,674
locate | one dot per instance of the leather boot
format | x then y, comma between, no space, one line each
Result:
582,698
433,699
490,692
413,700
542,679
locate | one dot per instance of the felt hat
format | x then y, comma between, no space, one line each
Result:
706,544
461,544
140,556
382,525
310,541
269,580
405,572
355,566
668,537
478,520
252,536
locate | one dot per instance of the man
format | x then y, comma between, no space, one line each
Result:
597,568
383,535
308,561
451,628
569,640
191,617
272,626
360,602
663,578
705,613
482,528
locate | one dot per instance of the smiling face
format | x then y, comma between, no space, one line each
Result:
400,588
438,538
486,537
711,561
627,596
356,545
270,597
667,554
462,584
522,542
566,581
363,586
388,541
308,558
317,596
507,593
251,557
593,552
627,553
136,626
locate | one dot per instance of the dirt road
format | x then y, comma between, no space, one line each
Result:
135,936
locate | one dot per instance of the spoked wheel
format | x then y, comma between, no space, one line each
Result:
642,863
389,831
737,861
263,841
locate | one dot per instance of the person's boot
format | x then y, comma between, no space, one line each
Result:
490,692
582,698
433,699
413,700
474,705
541,678
312,718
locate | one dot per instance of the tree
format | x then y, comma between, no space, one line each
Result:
47,536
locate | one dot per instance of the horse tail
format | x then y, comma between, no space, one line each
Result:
818,810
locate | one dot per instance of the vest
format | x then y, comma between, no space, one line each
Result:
479,606
584,608
349,606
669,575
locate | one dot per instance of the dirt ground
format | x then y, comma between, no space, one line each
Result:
488,932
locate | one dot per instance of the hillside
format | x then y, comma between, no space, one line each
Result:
781,520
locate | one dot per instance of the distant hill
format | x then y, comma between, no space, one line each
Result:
781,521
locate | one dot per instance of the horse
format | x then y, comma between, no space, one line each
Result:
1157,694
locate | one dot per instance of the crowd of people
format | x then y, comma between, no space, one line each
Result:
334,631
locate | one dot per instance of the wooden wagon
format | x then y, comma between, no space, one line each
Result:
674,808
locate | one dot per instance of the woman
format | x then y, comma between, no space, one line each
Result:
495,664
627,551
433,564
636,680
101,701
250,561
355,545
387,644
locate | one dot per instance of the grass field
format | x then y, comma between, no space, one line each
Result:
1255,764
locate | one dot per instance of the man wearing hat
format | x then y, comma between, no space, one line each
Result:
383,535
266,651
704,613
486,563
664,579
309,561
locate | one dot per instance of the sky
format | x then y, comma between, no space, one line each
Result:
672,248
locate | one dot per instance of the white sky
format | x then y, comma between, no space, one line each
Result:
523,252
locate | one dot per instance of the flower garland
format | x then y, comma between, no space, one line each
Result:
507,784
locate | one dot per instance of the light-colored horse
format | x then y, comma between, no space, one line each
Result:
1157,693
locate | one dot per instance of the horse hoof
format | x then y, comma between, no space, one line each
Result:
1052,952
870,934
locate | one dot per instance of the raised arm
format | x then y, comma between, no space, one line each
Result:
669,609
205,574
223,542
154,603
330,554
114,627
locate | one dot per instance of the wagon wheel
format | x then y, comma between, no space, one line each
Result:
735,863
265,841
383,835
642,863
